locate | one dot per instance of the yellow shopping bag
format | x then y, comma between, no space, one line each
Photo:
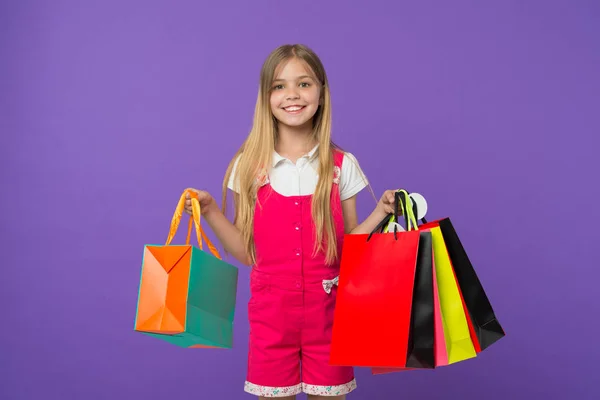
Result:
459,344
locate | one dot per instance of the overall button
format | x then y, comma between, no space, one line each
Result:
298,285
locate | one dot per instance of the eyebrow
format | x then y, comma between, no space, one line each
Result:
299,78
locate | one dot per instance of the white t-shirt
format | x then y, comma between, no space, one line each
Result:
300,179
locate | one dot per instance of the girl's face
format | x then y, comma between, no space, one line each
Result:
295,95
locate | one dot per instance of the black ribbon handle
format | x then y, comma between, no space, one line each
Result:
398,200
380,226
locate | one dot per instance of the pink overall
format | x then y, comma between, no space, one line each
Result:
292,300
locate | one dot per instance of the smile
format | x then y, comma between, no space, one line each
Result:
294,109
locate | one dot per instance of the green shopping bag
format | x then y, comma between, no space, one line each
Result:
186,296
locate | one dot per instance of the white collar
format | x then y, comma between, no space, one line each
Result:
277,158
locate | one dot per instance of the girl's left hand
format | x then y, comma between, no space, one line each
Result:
386,204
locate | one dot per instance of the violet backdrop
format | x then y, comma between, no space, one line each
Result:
109,109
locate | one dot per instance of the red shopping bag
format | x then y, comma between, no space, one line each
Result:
373,308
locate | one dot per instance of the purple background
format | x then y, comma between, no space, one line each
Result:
109,109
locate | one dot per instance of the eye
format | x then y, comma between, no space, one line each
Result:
277,87
305,84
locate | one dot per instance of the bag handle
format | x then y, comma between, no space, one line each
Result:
402,198
194,219
381,227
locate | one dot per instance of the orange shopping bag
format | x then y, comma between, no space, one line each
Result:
186,296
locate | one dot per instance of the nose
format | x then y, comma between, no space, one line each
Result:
292,94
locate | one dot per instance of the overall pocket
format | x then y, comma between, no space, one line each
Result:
259,290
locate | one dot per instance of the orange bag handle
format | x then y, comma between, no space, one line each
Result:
195,219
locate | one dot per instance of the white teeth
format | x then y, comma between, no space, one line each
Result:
293,108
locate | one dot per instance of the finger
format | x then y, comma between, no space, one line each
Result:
390,196
386,196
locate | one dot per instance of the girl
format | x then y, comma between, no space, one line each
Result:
295,198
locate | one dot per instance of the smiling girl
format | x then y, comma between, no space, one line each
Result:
295,199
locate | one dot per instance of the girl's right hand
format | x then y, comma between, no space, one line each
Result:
207,202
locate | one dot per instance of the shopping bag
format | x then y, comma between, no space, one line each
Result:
420,352
372,316
186,296
421,338
459,343
484,324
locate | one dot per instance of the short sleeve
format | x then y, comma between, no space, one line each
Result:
352,178
231,184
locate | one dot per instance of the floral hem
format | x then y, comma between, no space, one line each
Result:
268,391
338,390
316,390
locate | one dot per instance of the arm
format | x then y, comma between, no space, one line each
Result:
383,208
352,181
227,233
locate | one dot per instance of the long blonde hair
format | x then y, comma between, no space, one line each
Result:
256,154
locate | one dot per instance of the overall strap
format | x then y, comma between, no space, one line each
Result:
338,158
